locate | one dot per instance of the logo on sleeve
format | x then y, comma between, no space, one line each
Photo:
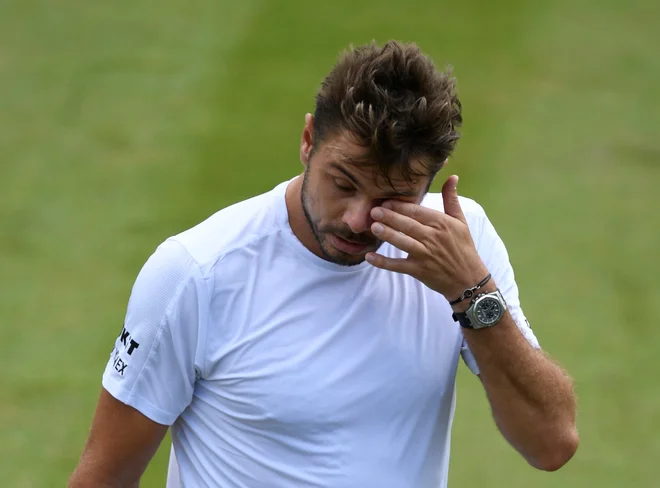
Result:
117,363
129,345
128,341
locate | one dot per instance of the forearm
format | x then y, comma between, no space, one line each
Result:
85,481
89,481
89,474
531,397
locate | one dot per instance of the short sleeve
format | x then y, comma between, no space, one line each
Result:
493,253
159,352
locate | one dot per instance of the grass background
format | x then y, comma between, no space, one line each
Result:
124,122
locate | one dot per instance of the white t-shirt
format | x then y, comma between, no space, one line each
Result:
276,368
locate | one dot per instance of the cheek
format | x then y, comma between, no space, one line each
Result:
330,211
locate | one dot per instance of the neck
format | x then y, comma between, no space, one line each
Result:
297,220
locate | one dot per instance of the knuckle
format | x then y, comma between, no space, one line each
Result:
410,243
420,249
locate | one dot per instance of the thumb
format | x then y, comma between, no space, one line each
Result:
450,199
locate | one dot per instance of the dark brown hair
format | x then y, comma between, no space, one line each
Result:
392,101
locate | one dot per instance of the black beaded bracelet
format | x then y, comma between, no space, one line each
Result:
469,293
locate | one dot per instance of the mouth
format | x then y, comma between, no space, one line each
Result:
348,247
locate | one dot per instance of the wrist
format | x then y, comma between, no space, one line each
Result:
463,305
468,279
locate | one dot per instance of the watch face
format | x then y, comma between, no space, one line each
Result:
489,310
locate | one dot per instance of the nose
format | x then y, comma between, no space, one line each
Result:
358,216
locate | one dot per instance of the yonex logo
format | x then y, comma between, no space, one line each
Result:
117,362
130,345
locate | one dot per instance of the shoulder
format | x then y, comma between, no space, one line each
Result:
232,227
177,273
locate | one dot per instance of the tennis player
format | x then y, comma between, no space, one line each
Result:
310,336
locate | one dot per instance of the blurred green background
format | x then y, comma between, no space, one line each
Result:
124,122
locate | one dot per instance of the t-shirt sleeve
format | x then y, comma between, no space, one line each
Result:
159,352
496,258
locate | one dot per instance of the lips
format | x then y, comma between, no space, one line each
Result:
349,247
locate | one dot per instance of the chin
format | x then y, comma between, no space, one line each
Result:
342,258
349,262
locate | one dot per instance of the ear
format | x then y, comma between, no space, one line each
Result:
307,140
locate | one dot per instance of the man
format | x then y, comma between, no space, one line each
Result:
310,336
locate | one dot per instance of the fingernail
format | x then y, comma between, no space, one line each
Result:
387,205
377,228
377,213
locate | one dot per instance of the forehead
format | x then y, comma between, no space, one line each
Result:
342,155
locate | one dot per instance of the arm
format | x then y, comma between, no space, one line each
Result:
150,377
121,443
530,396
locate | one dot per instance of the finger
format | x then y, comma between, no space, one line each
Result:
450,199
396,265
423,215
397,239
400,222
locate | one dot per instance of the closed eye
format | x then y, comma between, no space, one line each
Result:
343,187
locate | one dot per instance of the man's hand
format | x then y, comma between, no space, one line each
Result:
441,252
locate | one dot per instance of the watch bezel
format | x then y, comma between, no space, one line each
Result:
472,311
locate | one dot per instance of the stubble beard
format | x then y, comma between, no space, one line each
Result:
306,200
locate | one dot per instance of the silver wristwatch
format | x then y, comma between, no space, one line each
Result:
485,310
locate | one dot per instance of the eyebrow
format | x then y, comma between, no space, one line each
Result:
354,180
